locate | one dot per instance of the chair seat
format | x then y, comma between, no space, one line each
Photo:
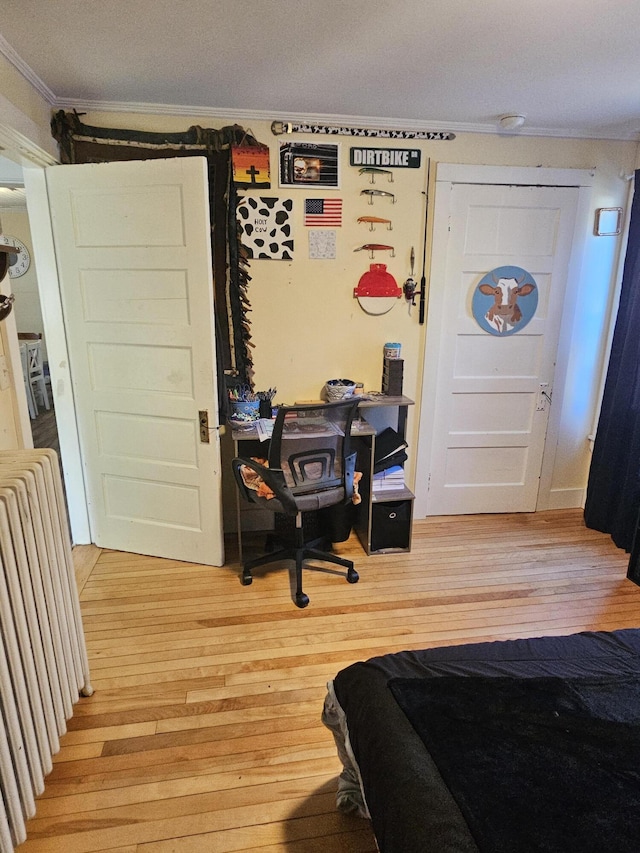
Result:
305,503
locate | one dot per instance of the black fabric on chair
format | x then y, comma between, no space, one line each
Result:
310,467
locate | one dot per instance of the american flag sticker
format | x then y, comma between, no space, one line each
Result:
323,212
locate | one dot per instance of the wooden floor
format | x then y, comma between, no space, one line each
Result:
44,429
204,731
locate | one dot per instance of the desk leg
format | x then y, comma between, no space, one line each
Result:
239,526
243,447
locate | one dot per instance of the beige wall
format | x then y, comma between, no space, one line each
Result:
24,117
27,310
26,316
23,110
307,327
10,431
306,324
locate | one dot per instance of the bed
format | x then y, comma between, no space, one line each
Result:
503,747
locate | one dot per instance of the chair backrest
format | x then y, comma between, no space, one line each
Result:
310,444
34,350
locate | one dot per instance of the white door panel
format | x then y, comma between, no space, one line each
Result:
484,403
133,250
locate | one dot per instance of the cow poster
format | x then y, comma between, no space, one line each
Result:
505,300
266,227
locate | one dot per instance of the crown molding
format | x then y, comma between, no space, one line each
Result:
236,115
27,72
25,150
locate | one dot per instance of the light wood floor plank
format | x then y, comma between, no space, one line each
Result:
84,559
96,799
175,772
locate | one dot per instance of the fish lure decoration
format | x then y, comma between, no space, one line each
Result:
371,193
372,171
376,247
373,220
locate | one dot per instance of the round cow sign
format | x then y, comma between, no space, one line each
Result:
505,300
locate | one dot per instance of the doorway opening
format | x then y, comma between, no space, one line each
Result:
27,309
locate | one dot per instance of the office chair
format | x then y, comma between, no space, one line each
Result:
310,467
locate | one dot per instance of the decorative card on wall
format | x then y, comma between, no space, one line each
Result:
251,166
322,244
266,227
505,300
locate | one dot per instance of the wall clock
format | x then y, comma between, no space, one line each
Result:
20,260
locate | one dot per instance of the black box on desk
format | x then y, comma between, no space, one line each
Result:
392,370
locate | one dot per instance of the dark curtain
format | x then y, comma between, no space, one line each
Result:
613,492
81,143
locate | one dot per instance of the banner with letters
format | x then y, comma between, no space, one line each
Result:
395,158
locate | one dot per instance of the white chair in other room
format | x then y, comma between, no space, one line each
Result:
24,358
36,373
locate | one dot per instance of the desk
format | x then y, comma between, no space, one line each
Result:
383,521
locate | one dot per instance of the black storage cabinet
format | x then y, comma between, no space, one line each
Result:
391,524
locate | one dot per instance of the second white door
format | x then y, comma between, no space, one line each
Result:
489,395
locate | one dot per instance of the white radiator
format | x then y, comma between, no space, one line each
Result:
43,658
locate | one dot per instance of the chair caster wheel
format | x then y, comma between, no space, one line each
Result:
301,599
352,576
247,580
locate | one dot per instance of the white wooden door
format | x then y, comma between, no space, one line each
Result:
132,243
489,397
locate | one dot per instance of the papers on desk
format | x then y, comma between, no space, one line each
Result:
296,428
264,427
309,428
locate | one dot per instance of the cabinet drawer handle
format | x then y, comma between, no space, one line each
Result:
392,514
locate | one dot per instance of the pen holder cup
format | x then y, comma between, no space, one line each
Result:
241,411
264,408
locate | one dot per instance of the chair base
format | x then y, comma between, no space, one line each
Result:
298,555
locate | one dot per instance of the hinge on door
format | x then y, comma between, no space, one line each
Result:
203,418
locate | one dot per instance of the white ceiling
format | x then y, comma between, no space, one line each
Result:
571,66
13,199
12,193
